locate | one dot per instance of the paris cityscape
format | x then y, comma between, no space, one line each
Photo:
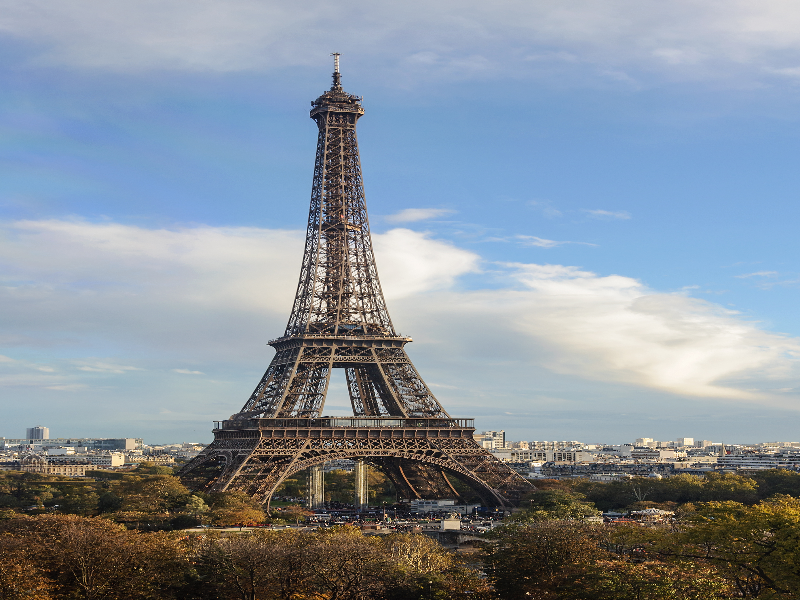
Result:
401,346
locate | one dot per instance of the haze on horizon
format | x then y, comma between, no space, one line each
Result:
584,213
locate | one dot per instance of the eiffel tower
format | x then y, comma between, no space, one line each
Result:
339,320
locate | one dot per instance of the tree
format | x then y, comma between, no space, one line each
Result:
536,560
756,548
108,503
296,513
730,487
93,558
621,580
21,577
235,508
152,494
249,566
421,568
351,566
557,504
196,506
82,500
777,481
416,553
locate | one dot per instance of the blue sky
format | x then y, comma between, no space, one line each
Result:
585,212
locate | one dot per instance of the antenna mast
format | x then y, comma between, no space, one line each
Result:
337,77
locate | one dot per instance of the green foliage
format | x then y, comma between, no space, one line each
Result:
620,580
148,468
679,489
234,509
339,486
556,504
756,548
108,502
777,481
196,506
184,522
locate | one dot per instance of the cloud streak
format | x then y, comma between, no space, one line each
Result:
758,274
411,215
622,41
608,214
532,240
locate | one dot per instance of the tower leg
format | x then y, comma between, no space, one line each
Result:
315,492
362,491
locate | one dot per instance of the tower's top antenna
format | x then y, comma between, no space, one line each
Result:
337,78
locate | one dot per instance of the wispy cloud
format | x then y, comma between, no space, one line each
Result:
607,214
187,372
411,215
546,207
624,40
101,367
758,274
532,240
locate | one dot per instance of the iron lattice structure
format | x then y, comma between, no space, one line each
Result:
339,320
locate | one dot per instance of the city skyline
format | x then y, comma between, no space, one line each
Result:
599,203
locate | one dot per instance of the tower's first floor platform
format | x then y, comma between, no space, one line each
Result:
423,457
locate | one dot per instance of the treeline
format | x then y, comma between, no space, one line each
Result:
143,497
717,550
671,492
65,556
147,498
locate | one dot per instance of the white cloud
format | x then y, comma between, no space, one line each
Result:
532,240
613,327
608,214
73,291
179,288
411,263
609,329
758,274
737,40
411,215
102,367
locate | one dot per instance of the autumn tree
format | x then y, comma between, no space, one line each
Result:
21,575
257,565
651,580
93,558
234,509
756,548
535,560
296,513
422,568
